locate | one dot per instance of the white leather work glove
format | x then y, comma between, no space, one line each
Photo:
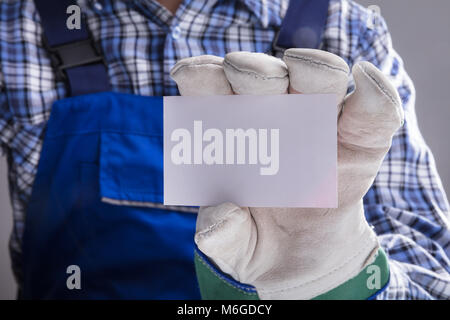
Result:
300,253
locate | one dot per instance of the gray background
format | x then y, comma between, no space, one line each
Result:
420,34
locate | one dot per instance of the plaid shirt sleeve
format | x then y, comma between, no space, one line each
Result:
4,115
406,205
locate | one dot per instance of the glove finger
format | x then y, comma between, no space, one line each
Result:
315,71
227,235
256,73
199,76
370,117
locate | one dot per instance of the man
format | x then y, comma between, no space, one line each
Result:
142,41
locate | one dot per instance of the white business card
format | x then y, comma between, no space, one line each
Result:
257,151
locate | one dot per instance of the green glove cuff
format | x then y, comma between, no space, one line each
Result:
370,282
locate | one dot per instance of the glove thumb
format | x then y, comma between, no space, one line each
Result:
227,235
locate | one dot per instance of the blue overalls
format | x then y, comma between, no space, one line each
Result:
97,198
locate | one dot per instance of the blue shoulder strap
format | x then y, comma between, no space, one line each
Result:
75,57
303,24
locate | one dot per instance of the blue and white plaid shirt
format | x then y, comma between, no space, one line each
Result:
142,40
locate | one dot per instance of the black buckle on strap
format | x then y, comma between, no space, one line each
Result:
73,54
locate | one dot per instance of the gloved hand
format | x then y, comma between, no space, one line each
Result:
300,253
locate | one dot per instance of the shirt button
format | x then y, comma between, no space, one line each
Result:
176,32
98,6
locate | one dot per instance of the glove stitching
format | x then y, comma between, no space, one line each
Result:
380,86
319,63
203,233
175,71
386,93
253,73
321,277
334,285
